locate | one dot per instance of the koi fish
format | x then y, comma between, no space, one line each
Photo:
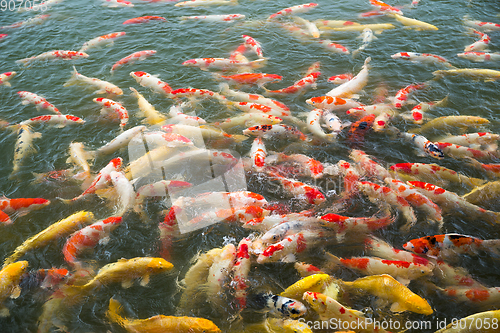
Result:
457,151
197,3
266,223
79,156
311,283
117,3
386,287
385,8
425,146
353,86
480,45
207,133
253,45
2,36
185,119
292,10
487,75
119,142
58,120
334,47
222,63
104,86
413,23
110,105
147,110
46,5
306,269
240,270
157,189
367,37
417,112
493,170
10,276
248,120
131,59
258,154
312,29
484,26
251,78
282,230
479,56
333,23
368,165
24,146
102,40
442,123
278,130
5,77
54,55
253,98
40,102
314,125
452,202
333,103
402,95
312,168
56,230
144,19
298,86
332,122
152,82
358,130
37,19
218,273
214,18
328,308
49,279
259,108
160,322
479,297
424,58
124,190
450,245
377,193
195,93
280,305
351,177
341,78
88,237
21,206
377,28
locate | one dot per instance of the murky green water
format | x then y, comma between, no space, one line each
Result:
74,22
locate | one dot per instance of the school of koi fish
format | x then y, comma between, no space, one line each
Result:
251,188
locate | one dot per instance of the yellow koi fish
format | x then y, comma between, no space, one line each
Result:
59,229
413,23
466,325
442,124
316,283
9,283
487,75
160,323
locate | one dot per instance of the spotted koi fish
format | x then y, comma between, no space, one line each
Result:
5,77
480,45
305,269
56,120
258,79
383,7
253,45
266,223
480,56
279,232
313,123
224,64
457,151
341,78
312,168
334,47
152,82
424,58
425,146
253,98
144,19
195,93
40,102
258,154
130,59
293,10
483,26
368,165
478,297
333,103
298,86
54,55
102,40
21,206
311,194
279,130
110,105
358,129
240,270
418,110
214,18
402,95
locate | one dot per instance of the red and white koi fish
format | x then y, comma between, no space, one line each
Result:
334,47
305,269
237,199
195,93
144,19
452,202
119,142
89,237
356,225
425,146
351,177
332,122
312,168
448,246
2,36
224,64
248,120
40,102
258,79
480,56
237,54
353,86
54,55
381,121
48,279
368,165
258,154
214,18
457,151
104,86
282,230
4,218
239,215
290,246
240,272
117,3
107,39
367,36
21,206
493,170
110,105
417,199
383,7
403,271
377,193
207,133
402,95
259,108
313,123
341,78
358,130
253,98
381,249
198,3
5,77
454,276
177,116
333,103
152,82
418,110
157,189
333,23
125,192
38,19
293,10
266,223
134,57
298,86
483,26
23,146
424,58
102,180
254,45
480,45
311,194
482,298
364,110
275,131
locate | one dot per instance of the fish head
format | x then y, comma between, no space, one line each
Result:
433,150
296,309
158,265
316,300
15,270
190,62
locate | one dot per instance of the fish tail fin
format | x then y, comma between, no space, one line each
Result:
25,62
66,201
493,246
73,79
7,84
258,63
114,310
239,138
355,53
475,182
473,162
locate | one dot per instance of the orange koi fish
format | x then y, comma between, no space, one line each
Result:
333,103
144,19
21,206
253,45
136,56
115,107
293,10
402,95
311,194
298,86
258,154
10,276
358,130
251,78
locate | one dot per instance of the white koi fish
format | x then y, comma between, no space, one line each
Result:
482,138
119,142
334,47
152,82
102,40
259,108
202,3
252,98
367,36
333,23
214,18
218,273
353,86
104,86
117,108
417,113
54,55
152,116
311,167
424,58
312,29
130,59
483,26
258,154
480,45
57,120
38,19
332,122
480,56
79,156
313,123
223,63
117,3
293,10
24,146
40,102
5,77
275,131
253,45
125,192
